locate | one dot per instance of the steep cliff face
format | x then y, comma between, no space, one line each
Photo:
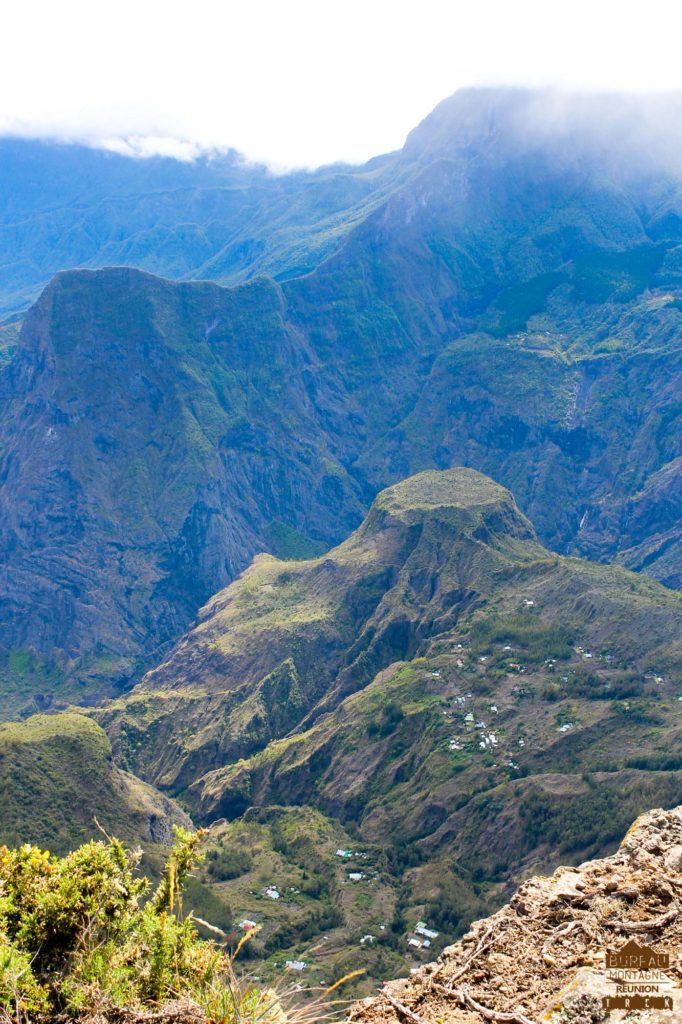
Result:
546,956
438,653
152,438
512,303
441,688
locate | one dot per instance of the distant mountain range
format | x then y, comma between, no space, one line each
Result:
219,217
223,218
504,293
319,499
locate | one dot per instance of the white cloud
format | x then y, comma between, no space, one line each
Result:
301,82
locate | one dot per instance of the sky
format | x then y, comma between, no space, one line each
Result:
299,83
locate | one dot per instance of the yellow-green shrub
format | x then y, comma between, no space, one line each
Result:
76,936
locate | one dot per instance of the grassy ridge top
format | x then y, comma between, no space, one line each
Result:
458,487
57,776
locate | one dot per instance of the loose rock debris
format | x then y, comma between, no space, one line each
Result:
542,958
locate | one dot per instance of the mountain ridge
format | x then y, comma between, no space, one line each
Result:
513,316
439,686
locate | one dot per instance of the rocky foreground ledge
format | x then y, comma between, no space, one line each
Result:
553,952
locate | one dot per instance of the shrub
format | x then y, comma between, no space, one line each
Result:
536,639
391,717
76,936
227,863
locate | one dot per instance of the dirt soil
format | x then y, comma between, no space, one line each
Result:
542,957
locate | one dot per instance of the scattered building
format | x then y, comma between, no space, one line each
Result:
489,740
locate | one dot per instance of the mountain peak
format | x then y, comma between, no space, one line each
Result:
459,487
569,125
461,495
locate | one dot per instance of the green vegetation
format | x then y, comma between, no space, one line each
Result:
29,683
534,640
57,777
598,815
390,718
600,275
521,301
287,543
225,864
77,938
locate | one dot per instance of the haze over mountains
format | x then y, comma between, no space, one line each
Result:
509,299
309,540
226,219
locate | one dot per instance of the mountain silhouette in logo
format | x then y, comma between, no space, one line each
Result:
636,957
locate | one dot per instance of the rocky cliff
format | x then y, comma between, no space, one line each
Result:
512,303
555,952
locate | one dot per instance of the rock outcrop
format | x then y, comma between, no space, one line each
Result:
547,957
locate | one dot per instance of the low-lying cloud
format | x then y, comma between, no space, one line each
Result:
300,83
